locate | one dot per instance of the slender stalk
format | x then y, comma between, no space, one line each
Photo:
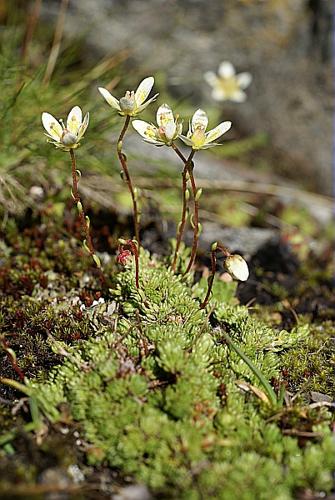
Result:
210,279
195,221
188,168
88,243
123,161
269,390
134,251
12,358
182,223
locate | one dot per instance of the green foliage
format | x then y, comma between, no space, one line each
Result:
156,396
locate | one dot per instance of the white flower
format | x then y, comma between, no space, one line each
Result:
169,128
197,137
69,136
237,267
227,85
133,102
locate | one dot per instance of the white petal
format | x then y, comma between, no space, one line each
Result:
74,119
83,126
186,140
219,95
217,131
143,90
226,69
112,101
199,119
164,116
146,130
211,78
170,130
244,80
237,267
238,96
52,126
144,105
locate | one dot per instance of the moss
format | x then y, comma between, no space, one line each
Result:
156,396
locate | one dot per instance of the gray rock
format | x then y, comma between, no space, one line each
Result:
285,45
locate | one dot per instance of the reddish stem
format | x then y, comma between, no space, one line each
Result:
123,161
195,214
76,198
181,225
215,247
12,360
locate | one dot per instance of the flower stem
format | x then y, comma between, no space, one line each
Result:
84,220
210,280
188,169
195,222
133,249
215,247
133,193
182,223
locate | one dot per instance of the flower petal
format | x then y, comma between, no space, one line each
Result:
74,119
238,96
199,119
52,126
164,116
146,130
244,80
83,126
226,70
112,101
170,130
144,105
221,129
186,140
143,90
219,95
211,78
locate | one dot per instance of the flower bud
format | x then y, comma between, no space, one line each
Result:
237,267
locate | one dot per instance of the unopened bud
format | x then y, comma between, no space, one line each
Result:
214,246
237,267
187,194
96,260
79,206
199,193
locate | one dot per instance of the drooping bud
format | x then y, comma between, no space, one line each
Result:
237,267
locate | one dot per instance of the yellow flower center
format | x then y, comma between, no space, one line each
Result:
229,85
198,137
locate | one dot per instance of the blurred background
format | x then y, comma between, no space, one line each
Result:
275,166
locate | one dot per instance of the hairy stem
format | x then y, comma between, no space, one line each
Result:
195,221
210,279
88,243
182,223
188,169
123,161
215,247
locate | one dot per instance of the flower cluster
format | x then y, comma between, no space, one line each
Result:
168,128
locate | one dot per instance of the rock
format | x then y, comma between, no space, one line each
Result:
285,45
